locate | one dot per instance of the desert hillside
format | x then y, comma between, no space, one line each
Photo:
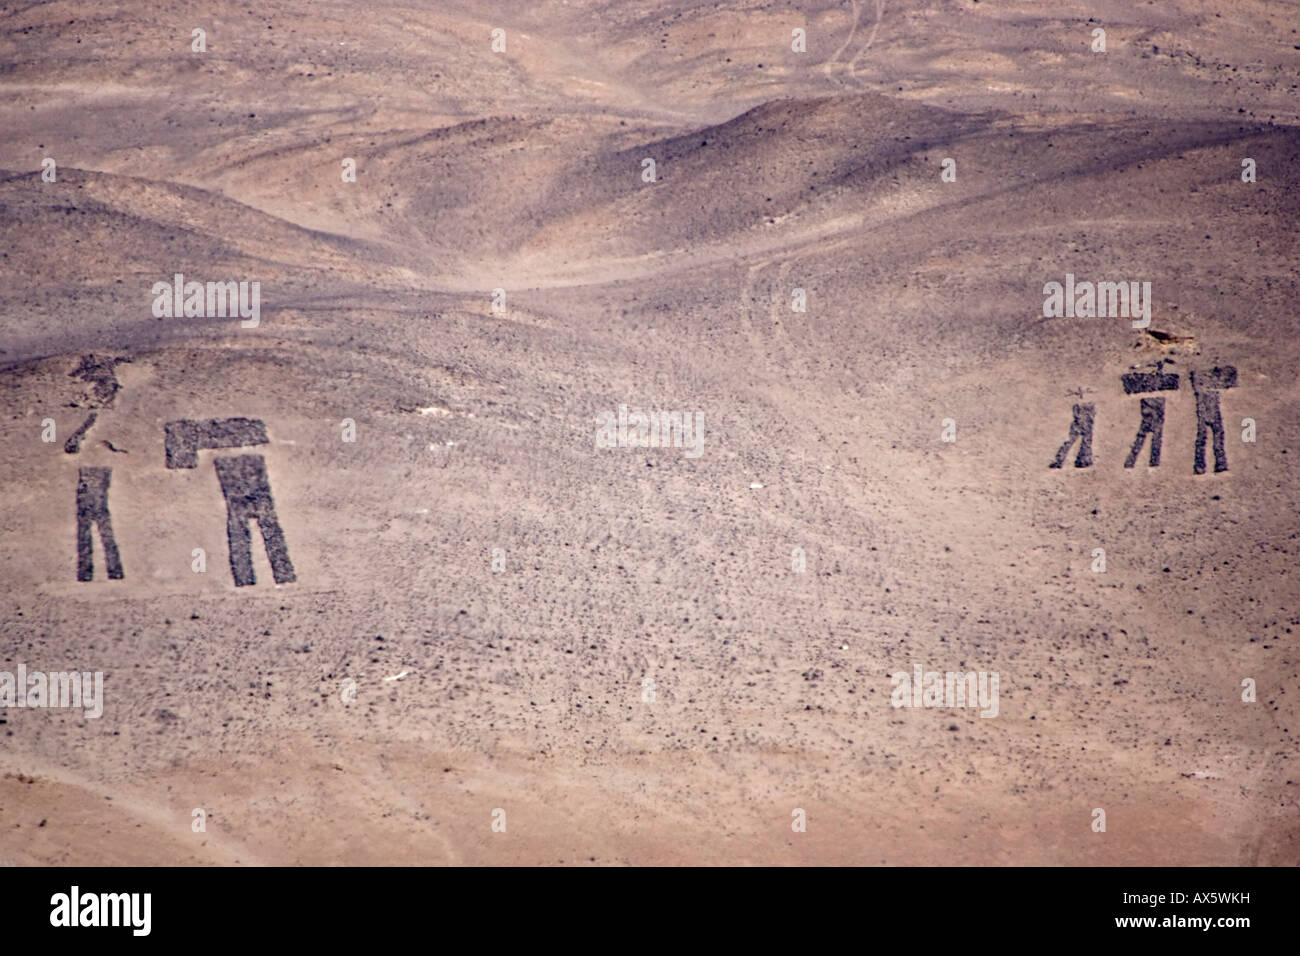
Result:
453,599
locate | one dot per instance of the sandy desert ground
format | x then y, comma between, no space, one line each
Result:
613,650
